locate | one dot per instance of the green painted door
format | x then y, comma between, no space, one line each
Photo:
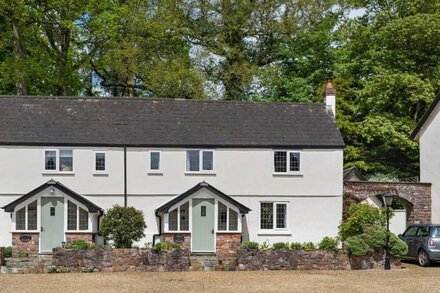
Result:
52,223
203,221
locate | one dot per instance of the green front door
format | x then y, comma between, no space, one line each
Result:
203,221
52,223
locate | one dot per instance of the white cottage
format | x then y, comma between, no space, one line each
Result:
427,133
210,174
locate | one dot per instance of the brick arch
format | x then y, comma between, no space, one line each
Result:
416,197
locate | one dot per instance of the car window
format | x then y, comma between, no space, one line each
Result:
435,232
411,231
422,232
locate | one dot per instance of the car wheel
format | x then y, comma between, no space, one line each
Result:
423,258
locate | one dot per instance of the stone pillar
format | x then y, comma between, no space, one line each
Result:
2,256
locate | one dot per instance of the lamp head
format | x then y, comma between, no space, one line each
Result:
388,198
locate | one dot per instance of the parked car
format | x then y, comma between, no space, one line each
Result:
423,242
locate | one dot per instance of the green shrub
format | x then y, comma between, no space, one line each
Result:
78,244
295,245
22,254
8,251
398,247
249,245
308,246
123,225
357,246
264,246
281,245
167,246
329,243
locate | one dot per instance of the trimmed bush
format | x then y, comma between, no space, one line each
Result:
308,246
281,245
329,243
357,246
123,225
398,247
295,245
79,244
249,245
8,251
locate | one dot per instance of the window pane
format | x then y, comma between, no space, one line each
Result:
100,161
32,216
184,217
154,161
222,216
20,219
294,161
50,160
266,217
83,219
71,215
233,220
172,220
281,215
66,160
208,160
280,161
192,161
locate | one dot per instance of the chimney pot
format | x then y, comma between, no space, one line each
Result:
330,96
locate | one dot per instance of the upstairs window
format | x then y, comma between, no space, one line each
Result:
58,160
100,162
155,161
273,215
199,160
287,161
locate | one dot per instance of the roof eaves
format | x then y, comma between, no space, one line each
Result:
415,133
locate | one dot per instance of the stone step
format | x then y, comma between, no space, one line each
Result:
210,263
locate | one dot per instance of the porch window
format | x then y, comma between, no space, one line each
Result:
178,219
77,217
273,214
32,216
20,219
26,217
227,218
61,160
287,161
199,160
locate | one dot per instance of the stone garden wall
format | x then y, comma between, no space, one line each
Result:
121,260
298,259
2,256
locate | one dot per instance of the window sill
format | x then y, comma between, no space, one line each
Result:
182,232
274,233
62,173
201,173
155,173
26,231
100,174
78,231
299,174
228,232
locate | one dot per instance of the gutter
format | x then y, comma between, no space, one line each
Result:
160,229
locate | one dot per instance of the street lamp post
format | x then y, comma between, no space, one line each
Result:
388,200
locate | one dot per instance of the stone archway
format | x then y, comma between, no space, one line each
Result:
416,196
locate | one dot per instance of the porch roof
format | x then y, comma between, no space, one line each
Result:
90,205
166,207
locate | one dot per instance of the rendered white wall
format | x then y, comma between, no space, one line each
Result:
430,160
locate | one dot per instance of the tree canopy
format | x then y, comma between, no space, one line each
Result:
383,55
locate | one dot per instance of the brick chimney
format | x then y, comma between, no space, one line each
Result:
330,96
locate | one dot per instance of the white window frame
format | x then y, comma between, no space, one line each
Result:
274,217
78,206
105,171
201,170
160,162
57,165
288,172
167,226
228,207
25,205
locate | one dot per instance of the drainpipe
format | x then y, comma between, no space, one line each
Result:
125,176
160,229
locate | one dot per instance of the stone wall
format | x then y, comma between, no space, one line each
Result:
73,236
298,259
2,256
31,247
227,245
416,197
121,260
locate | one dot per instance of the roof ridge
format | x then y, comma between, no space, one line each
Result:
158,99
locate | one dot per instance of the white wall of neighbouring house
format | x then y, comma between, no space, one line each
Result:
430,159
314,195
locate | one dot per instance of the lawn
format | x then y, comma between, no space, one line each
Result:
411,279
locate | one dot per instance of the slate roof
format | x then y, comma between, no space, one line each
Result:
93,208
415,133
166,207
91,121
353,174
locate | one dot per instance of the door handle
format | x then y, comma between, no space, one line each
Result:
42,229
212,231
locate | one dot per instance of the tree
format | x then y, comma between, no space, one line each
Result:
123,225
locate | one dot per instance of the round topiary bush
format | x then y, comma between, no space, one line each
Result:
123,225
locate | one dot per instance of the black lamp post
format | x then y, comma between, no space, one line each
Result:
388,200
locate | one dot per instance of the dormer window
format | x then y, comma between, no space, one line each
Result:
287,161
